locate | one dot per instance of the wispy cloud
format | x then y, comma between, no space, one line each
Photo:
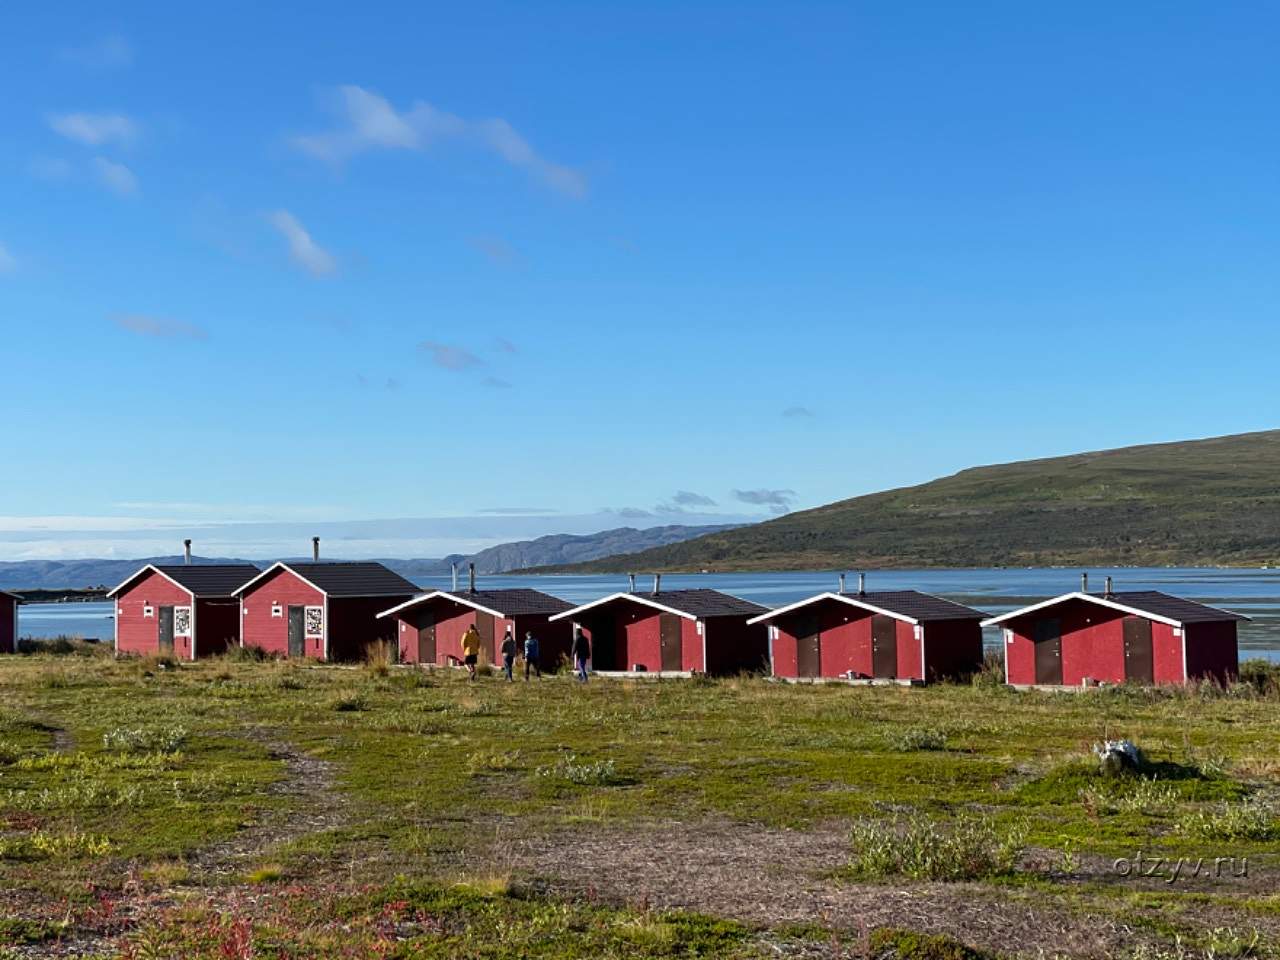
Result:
778,501
687,498
305,252
160,327
116,177
448,356
106,52
503,345
94,129
497,250
798,413
7,262
497,383
370,122
518,511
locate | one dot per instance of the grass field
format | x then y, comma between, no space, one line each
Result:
239,809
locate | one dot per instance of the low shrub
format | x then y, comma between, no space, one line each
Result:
971,848
43,845
379,658
349,702
1260,676
889,943
1251,820
251,654
991,674
569,769
65,645
141,740
1146,796
916,738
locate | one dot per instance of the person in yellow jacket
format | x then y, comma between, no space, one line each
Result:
471,650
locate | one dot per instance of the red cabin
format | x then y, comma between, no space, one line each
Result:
181,610
319,609
431,625
9,622
1135,636
884,635
678,632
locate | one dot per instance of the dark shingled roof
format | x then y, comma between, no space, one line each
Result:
210,579
354,579
909,604
515,602
1173,608
702,603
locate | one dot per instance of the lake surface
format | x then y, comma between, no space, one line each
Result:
1254,593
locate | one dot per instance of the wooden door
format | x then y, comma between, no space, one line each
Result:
884,647
1139,664
669,637
484,627
1048,643
165,627
427,638
808,646
297,631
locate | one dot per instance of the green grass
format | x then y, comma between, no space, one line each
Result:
432,777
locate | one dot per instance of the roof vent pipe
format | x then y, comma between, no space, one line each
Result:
862,584
454,567
1108,586
657,583
1084,583
315,549
631,583
471,577
186,551
842,583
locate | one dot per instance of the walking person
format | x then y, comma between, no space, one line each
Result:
471,650
581,651
508,653
532,656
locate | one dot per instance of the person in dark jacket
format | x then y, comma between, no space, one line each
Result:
581,651
532,655
508,653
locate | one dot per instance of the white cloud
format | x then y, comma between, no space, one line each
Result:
448,356
305,252
372,123
116,177
7,263
94,129
161,327
112,50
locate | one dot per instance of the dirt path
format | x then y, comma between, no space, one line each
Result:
774,877
319,807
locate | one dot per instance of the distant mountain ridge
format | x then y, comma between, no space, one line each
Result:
1212,502
504,558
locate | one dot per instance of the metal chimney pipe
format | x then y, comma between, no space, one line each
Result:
454,567
631,583
186,551
315,548
862,584
1084,583
1108,586
657,583
842,583
471,577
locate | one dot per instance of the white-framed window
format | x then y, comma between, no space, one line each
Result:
182,621
314,622
773,633
276,609
698,623
148,610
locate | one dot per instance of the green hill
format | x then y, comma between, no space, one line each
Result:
1198,502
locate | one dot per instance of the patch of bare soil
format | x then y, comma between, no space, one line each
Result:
772,876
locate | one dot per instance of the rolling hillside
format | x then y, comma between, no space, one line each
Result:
1198,502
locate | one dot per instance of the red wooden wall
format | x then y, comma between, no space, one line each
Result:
260,629
354,626
140,635
217,626
1212,651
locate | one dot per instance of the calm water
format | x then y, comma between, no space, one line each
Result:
1254,593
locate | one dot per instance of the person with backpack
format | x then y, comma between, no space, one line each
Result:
581,652
508,653
531,656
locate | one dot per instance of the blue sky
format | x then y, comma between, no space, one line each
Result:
502,270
